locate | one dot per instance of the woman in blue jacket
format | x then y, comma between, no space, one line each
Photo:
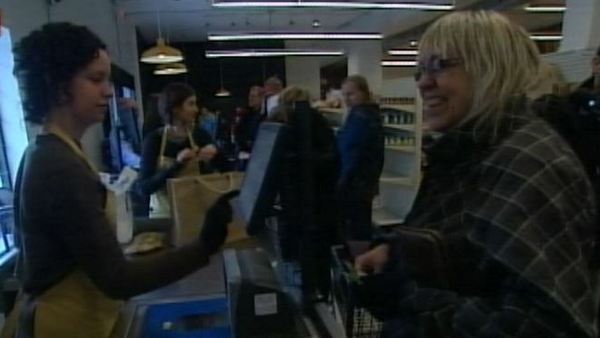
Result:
360,145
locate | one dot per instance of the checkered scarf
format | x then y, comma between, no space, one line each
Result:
518,222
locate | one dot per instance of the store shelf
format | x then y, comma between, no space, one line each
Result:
404,127
405,149
383,217
338,111
396,179
408,108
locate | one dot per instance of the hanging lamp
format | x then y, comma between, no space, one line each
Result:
170,69
222,92
161,53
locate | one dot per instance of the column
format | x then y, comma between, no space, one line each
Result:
581,26
305,71
364,58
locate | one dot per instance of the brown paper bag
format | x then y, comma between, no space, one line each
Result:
191,197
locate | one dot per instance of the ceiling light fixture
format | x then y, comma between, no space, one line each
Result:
403,52
546,37
271,53
294,36
170,69
399,63
161,52
341,4
222,92
545,9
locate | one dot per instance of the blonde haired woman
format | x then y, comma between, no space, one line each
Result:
507,207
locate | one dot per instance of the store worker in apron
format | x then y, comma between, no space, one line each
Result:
74,275
176,150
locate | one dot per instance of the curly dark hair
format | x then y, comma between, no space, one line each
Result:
173,95
46,62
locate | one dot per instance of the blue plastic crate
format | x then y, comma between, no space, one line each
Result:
164,320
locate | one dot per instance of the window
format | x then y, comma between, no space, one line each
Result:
13,132
13,141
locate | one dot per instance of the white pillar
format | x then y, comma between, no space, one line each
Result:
364,58
581,25
304,72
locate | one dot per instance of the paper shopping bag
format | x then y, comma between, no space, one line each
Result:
191,197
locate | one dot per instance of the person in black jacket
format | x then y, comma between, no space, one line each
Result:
321,160
361,148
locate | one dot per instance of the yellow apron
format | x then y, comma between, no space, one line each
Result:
159,201
74,307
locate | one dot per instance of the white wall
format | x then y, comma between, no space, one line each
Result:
399,87
364,59
576,65
581,27
23,16
305,73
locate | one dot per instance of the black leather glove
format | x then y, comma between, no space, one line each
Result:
214,231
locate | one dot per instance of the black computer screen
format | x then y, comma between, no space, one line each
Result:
261,178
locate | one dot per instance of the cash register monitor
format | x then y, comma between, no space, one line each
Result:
259,186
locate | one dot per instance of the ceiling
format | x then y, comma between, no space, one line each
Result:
191,20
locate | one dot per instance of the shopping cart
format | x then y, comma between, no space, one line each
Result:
357,321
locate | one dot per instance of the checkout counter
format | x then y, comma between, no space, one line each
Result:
241,294
220,301
238,294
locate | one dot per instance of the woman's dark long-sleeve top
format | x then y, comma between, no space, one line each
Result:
360,146
59,212
152,178
247,129
517,224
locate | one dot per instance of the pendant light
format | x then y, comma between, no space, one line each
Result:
170,69
222,92
175,68
161,53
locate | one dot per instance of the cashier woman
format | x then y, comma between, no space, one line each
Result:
73,272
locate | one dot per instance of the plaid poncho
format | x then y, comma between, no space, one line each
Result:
517,220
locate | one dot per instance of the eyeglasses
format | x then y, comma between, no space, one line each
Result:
435,66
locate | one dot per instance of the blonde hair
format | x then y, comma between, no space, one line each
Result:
550,81
286,101
497,54
360,82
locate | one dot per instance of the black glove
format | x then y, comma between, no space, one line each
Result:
214,231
